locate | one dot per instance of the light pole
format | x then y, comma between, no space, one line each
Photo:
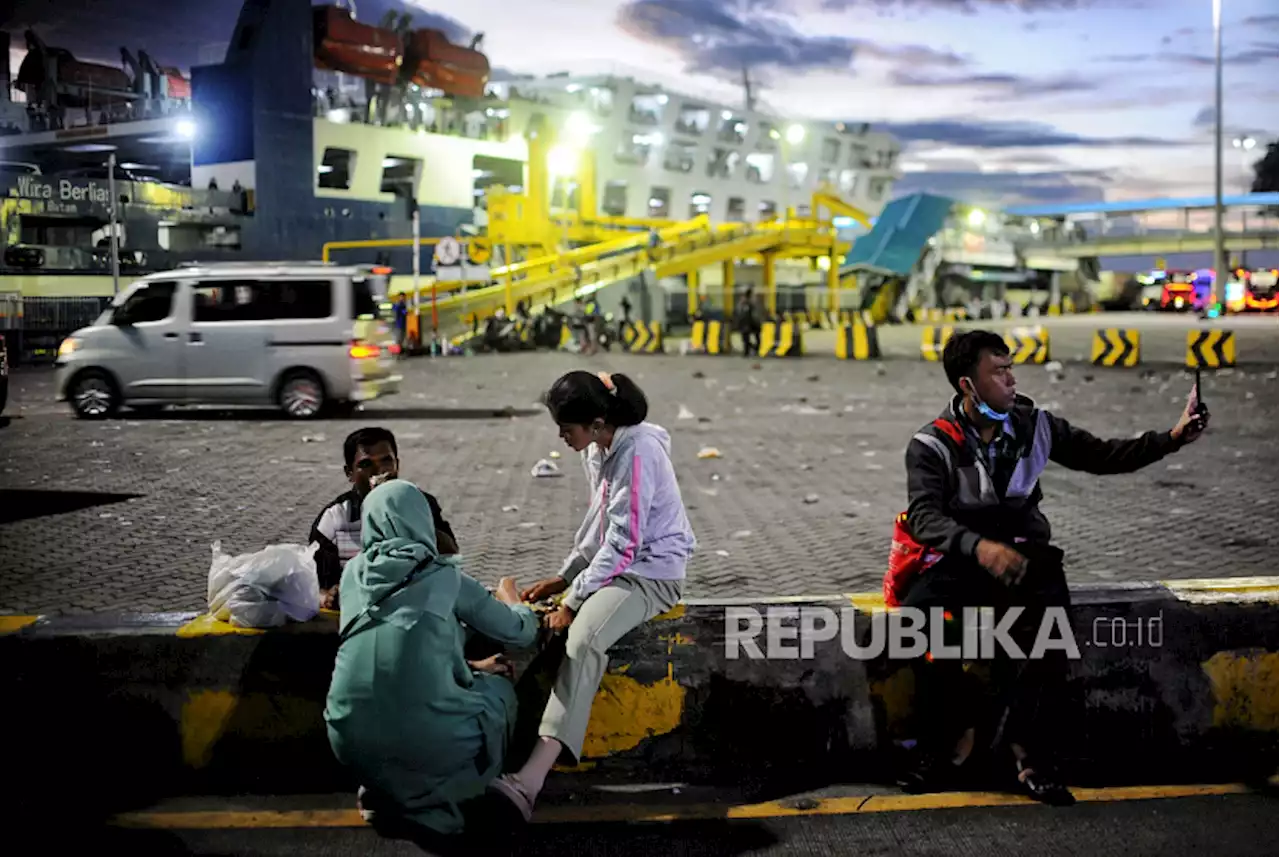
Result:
1219,250
115,237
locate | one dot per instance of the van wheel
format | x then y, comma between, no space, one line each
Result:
93,396
302,395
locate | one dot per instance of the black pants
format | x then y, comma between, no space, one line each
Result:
750,341
1027,703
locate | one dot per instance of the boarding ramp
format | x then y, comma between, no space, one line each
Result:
895,245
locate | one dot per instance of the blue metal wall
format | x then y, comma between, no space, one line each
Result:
257,105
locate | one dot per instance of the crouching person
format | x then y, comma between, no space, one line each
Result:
422,730
973,536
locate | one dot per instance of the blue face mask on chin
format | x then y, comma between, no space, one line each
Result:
985,409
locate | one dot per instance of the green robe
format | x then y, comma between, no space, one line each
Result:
405,712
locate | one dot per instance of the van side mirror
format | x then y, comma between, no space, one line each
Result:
120,318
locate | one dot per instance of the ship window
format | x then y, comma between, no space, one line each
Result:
660,202
767,139
830,150
601,98
732,128
646,109
400,175
336,168
487,172
722,163
634,149
679,157
875,191
615,199
737,211
858,157
797,173
759,168
693,120
768,209
699,203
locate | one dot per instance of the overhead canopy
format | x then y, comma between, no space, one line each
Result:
1138,206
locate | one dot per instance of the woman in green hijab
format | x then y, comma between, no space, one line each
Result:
421,729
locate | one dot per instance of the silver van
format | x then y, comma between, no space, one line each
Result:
299,335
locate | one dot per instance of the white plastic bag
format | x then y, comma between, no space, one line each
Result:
264,589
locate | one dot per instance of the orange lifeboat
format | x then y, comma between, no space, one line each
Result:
178,86
431,60
73,75
344,44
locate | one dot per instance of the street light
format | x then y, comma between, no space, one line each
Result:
1244,145
1219,250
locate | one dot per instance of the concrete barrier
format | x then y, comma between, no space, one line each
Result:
139,707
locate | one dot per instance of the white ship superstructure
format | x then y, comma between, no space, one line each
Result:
662,154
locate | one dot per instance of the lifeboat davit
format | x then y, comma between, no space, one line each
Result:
344,44
431,60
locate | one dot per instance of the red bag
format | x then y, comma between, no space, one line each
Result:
907,557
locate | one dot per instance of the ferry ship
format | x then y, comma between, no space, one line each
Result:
352,140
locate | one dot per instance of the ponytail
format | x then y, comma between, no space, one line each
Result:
628,405
581,398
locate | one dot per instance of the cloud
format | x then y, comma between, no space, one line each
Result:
1258,53
998,189
1269,20
718,37
973,7
1002,86
1010,135
725,37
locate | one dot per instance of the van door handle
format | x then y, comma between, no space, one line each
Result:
195,337
171,335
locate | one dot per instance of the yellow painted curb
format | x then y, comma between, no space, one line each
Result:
13,624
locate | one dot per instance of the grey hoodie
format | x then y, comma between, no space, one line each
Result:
636,522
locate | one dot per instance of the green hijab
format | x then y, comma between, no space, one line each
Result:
398,532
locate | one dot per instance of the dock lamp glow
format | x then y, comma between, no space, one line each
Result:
795,134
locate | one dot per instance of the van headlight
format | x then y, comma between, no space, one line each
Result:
69,346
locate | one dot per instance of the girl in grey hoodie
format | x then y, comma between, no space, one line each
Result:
627,564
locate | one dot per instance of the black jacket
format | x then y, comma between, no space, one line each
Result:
957,498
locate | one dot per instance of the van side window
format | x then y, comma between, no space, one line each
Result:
261,300
363,303
152,302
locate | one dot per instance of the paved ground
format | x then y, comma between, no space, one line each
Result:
800,502
1237,825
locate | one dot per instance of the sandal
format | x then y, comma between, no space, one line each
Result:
1042,786
514,791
